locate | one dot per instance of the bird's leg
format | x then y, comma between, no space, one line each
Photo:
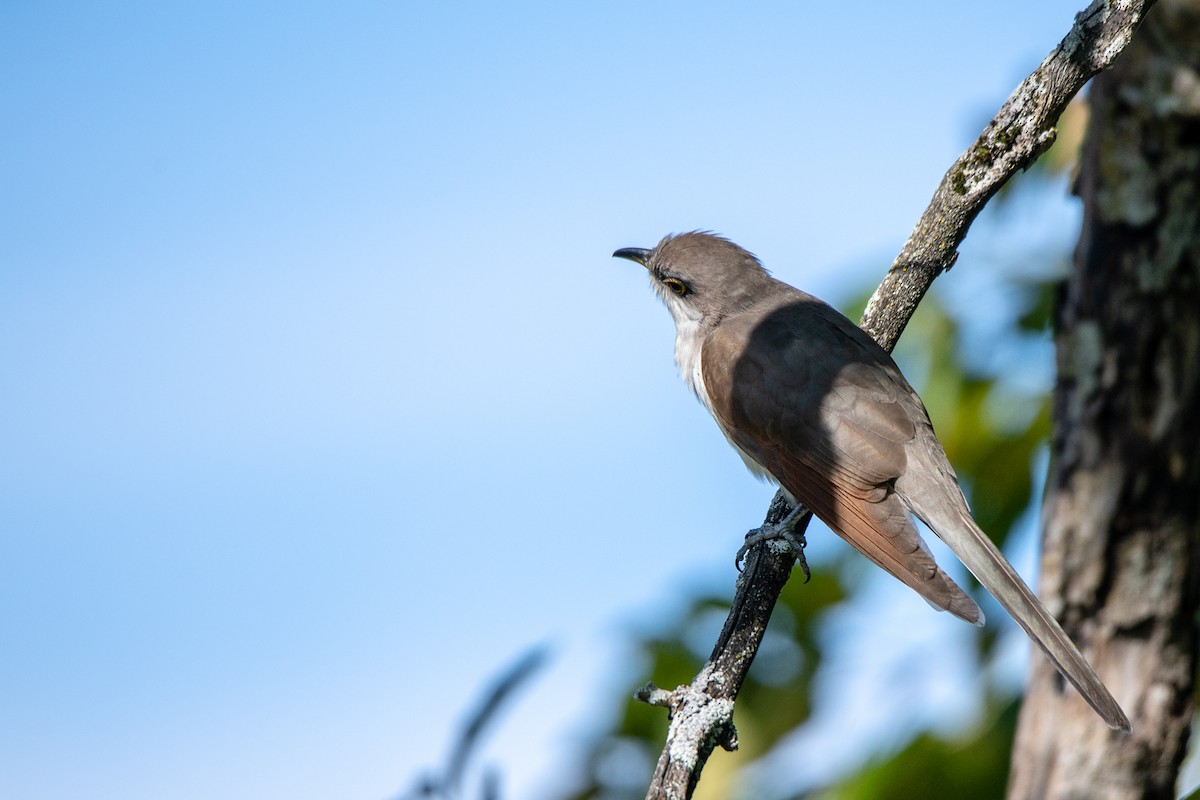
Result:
789,531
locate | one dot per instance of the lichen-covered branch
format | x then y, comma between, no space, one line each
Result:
1019,133
702,712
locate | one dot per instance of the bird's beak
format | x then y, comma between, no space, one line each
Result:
637,254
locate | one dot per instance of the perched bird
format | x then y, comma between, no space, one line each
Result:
811,402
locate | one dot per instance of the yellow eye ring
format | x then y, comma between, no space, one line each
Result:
675,285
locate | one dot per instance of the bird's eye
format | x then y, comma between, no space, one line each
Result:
675,285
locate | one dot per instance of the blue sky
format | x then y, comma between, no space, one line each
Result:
323,398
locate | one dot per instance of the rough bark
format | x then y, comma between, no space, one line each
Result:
1121,556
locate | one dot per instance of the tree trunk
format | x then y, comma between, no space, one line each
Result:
1121,560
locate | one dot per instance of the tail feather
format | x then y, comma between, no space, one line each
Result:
986,562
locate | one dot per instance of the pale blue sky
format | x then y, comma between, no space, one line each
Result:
323,398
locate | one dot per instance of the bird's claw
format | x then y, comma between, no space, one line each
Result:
784,533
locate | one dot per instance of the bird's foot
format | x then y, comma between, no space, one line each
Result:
784,534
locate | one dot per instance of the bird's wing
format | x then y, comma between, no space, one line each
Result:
829,415
820,406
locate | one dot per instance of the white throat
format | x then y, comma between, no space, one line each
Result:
688,341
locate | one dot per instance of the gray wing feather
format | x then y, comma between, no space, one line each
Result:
807,399
944,509
826,411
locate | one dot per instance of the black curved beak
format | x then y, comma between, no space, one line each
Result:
637,254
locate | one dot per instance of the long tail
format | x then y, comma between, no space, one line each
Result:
985,561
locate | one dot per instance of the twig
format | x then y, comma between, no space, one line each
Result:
702,713
449,783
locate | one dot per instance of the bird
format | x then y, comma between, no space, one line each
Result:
813,404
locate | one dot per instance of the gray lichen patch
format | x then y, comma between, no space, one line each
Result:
699,719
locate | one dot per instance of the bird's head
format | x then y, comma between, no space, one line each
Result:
702,278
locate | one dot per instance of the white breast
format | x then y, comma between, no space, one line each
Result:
689,346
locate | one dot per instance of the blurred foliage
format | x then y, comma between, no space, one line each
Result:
975,766
993,433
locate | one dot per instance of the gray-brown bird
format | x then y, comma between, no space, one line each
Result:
812,403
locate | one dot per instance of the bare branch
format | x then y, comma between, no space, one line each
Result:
1021,131
701,714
